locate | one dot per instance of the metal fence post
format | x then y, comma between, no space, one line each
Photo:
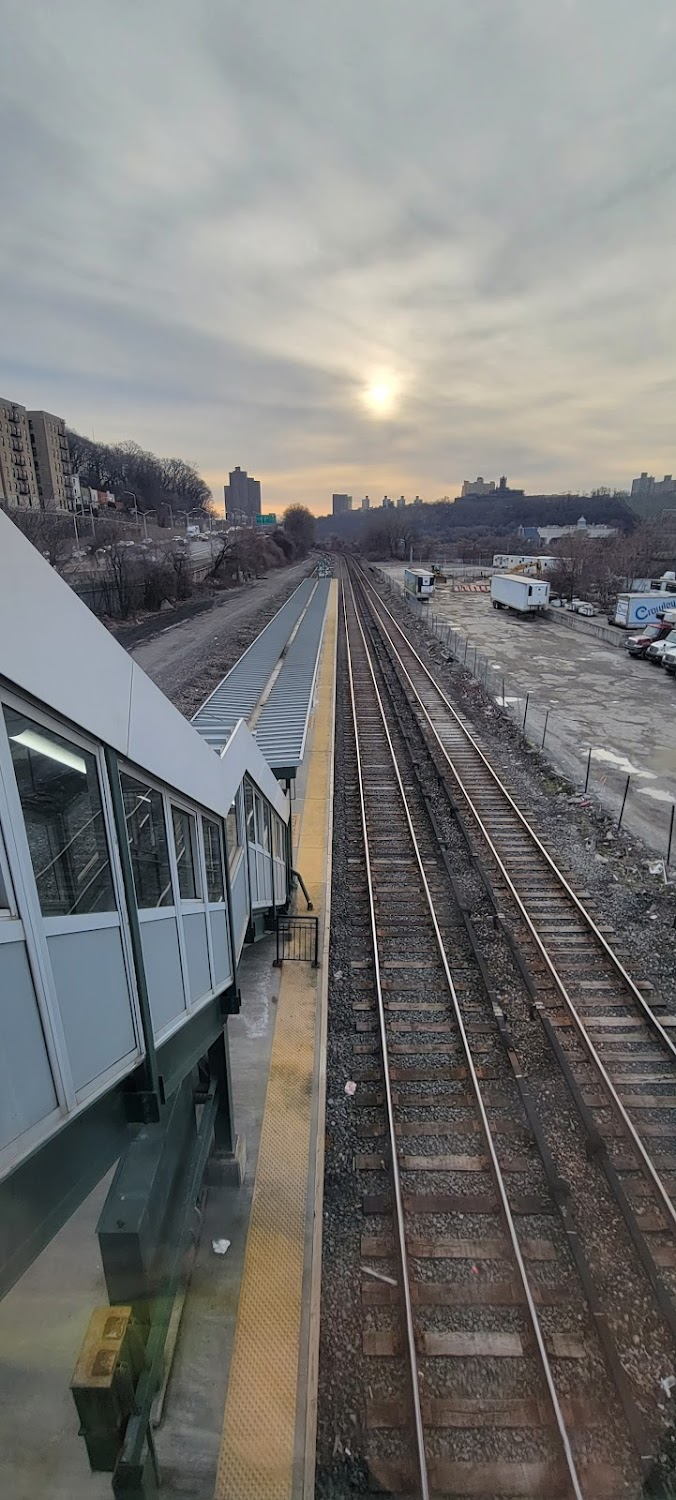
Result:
586,779
626,789
671,831
525,713
544,732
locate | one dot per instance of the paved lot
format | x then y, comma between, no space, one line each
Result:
596,696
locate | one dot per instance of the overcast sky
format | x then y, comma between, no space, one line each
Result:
223,222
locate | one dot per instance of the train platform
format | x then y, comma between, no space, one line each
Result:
237,1416
268,1437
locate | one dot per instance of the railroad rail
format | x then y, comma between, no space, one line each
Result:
609,1040
476,1291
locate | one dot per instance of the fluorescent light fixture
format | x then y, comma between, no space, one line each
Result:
42,746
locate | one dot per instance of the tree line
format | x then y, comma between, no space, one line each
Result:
385,533
162,485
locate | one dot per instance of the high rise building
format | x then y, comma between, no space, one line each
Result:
242,498
18,480
401,503
51,458
387,503
341,504
417,500
366,503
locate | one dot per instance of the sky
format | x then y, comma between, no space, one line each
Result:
369,246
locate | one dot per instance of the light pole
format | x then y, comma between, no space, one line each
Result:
145,524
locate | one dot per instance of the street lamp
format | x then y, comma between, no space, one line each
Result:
145,524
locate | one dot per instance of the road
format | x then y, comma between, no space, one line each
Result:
595,696
188,659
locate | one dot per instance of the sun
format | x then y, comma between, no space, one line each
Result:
379,398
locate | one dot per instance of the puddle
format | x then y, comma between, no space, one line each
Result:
621,763
656,794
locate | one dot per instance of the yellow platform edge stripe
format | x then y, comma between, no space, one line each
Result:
275,1351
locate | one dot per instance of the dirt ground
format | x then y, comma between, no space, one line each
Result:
187,659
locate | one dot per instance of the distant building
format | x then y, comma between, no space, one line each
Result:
387,503
366,503
528,533
341,504
417,500
51,458
18,480
401,503
242,498
478,486
581,528
646,486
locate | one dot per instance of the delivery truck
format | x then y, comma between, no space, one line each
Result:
527,596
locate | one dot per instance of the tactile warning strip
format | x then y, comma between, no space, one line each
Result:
260,1421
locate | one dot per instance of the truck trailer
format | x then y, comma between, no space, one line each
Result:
419,583
639,609
512,591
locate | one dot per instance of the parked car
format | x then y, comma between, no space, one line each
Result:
656,652
583,608
637,645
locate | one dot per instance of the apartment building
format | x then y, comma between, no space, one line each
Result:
242,498
18,480
51,458
35,467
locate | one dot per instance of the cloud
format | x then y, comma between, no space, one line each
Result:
227,220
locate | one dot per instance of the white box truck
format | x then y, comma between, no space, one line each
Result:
512,591
639,609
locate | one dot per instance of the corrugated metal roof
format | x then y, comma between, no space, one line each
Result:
239,692
282,725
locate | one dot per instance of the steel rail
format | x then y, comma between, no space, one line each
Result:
586,916
485,1124
394,1159
608,1084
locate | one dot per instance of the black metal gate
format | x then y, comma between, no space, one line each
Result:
298,940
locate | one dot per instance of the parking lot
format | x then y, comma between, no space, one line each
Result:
594,695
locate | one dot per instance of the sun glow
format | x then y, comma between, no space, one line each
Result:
380,398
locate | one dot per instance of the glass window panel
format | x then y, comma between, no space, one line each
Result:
4,893
233,832
262,836
213,855
249,806
147,834
185,843
61,801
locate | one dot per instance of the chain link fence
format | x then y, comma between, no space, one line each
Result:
638,800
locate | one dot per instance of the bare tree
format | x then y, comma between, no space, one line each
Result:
50,531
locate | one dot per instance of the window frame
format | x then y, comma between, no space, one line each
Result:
238,804
181,906
57,922
35,929
220,825
197,852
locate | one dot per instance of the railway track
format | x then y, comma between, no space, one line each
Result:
612,1038
488,1367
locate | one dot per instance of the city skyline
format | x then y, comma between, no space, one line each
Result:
363,251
